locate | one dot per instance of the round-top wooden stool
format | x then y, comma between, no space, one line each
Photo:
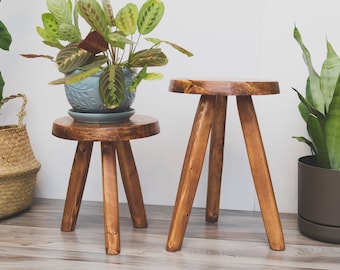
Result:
114,138
210,120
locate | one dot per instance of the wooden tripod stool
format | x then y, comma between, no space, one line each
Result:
114,138
210,120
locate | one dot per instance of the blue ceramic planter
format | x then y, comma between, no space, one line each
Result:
84,96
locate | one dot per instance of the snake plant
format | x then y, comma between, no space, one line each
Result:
112,42
320,108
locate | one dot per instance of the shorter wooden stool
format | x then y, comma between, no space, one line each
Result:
114,138
210,120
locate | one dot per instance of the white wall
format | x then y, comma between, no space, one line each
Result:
230,39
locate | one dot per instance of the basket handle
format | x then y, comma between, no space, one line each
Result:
21,113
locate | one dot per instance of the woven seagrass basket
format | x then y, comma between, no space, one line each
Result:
18,166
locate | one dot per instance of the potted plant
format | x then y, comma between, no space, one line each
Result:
110,51
318,174
18,166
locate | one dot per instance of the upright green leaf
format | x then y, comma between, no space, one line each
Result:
69,32
150,15
108,12
51,26
60,10
126,19
93,14
112,86
332,128
315,127
329,75
314,96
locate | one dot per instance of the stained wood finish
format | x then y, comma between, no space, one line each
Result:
131,184
191,172
114,138
76,185
210,118
224,87
33,240
216,160
260,172
139,126
110,197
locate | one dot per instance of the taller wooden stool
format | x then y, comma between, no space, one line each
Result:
114,138
210,119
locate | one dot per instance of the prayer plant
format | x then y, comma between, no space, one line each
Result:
112,42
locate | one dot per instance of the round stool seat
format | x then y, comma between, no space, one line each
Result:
224,87
139,126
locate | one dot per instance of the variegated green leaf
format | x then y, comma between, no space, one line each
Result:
76,77
118,39
51,25
48,39
314,96
150,57
329,75
108,12
112,86
151,76
93,14
332,128
137,79
126,19
157,42
60,10
71,57
150,15
68,32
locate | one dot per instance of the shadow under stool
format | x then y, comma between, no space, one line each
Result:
114,138
210,121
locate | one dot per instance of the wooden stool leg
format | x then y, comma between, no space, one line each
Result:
110,194
191,172
131,184
76,185
216,159
260,172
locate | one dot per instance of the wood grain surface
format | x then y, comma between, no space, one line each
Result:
33,240
224,87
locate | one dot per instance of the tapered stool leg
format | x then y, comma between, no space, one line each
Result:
191,172
76,185
260,172
110,194
131,184
216,159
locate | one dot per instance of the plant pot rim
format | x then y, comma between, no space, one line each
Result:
310,161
